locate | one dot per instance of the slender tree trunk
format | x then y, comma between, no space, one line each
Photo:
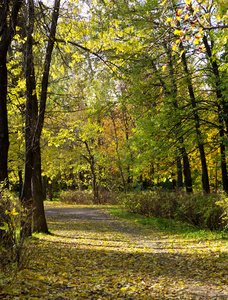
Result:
127,131
91,161
7,29
117,152
4,135
44,187
187,170
172,91
94,181
179,174
31,109
50,189
222,110
205,177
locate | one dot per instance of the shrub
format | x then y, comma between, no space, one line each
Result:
76,197
106,196
156,204
197,209
201,210
86,197
12,247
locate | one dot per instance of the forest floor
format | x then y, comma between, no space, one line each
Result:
94,255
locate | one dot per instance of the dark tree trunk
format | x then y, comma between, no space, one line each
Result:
39,220
20,182
4,135
7,29
179,174
187,171
50,190
44,187
31,110
81,181
35,121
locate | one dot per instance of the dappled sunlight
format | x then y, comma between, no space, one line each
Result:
91,259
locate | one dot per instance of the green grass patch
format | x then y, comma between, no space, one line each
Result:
169,226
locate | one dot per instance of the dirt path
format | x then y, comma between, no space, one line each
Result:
91,215
173,268
92,255
77,213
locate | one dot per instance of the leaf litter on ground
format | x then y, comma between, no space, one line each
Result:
93,255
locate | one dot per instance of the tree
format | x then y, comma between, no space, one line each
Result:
32,186
9,11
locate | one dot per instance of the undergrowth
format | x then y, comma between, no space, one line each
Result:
13,250
169,226
199,210
87,198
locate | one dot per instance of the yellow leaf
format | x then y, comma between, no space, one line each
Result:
163,68
14,213
178,18
163,2
186,17
169,20
196,42
174,48
187,2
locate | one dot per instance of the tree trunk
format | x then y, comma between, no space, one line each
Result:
50,189
26,194
35,121
224,107
172,91
44,186
187,171
179,174
205,177
39,220
7,30
117,152
4,135
31,109
91,161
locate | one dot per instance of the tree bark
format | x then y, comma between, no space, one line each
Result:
4,135
32,187
7,30
39,220
179,174
187,170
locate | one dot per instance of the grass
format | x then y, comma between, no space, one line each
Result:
169,226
